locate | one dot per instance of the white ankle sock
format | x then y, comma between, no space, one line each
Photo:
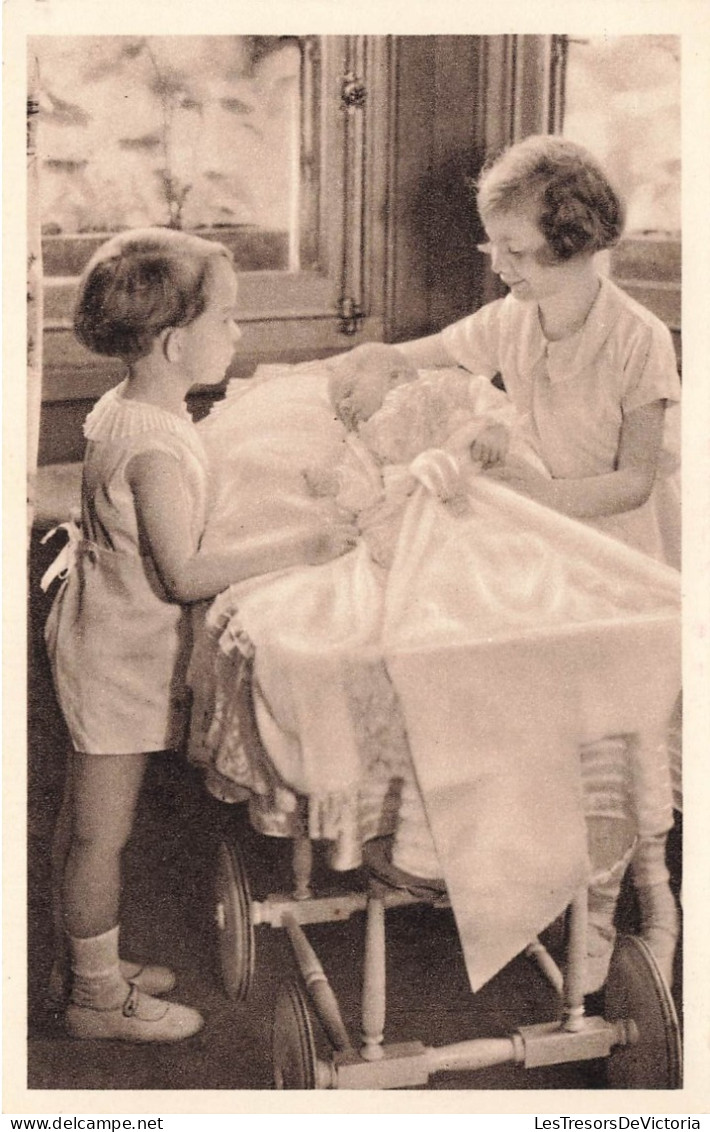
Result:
97,976
649,861
659,916
602,897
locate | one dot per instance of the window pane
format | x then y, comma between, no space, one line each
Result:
622,100
218,134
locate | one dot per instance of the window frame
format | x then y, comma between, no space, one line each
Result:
647,266
288,315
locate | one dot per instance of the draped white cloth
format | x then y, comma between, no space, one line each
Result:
584,642
511,636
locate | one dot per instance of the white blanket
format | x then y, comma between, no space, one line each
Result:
511,635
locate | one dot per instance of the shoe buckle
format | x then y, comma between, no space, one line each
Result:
130,1006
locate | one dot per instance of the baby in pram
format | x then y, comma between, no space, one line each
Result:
460,419
435,427
388,466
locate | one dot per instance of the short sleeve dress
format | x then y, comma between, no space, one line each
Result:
118,645
573,395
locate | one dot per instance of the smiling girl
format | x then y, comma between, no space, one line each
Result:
591,372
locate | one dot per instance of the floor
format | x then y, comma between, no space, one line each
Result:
168,917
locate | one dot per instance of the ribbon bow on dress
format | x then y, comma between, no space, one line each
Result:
64,563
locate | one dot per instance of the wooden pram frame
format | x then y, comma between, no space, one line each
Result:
637,1037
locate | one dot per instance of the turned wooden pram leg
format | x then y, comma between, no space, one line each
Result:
576,964
319,989
374,981
302,863
540,955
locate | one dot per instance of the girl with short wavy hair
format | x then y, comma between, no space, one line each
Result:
594,376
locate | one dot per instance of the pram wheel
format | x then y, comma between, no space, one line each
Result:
293,1044
636,990
235,928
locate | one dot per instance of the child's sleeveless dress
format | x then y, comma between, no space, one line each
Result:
118,645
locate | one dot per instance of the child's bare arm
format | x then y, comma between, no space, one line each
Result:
611,493
427,353
191,576
421,353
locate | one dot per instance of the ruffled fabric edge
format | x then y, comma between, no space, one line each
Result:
115,418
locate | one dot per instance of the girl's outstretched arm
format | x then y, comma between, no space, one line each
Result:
361,378
427,353
189,575
422,353
624,489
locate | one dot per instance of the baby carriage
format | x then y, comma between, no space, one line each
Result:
317,690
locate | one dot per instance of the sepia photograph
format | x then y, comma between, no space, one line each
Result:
356,630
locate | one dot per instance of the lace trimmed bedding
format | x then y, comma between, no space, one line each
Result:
469,655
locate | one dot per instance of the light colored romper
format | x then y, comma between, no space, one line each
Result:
118,646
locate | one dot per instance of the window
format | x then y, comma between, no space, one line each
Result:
207,133
267,143
621,97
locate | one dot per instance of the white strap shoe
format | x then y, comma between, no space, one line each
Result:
147,977
141,1018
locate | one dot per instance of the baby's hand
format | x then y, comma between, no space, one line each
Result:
330,540
491,445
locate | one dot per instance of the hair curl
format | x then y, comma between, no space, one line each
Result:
140,283
578,210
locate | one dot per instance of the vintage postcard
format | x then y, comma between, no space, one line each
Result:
354,686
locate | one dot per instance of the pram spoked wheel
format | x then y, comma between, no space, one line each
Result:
293,1044
636,990
235,927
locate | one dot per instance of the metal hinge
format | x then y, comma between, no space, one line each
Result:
351,315
353,92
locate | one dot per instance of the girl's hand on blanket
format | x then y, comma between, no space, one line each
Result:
335,537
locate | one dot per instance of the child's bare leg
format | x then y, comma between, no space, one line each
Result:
103,1003
611,835
659,912
106,789
150,978
610,843
657,904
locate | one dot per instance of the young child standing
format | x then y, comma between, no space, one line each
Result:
594,375
118,632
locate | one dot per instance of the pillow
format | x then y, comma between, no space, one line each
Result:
267,444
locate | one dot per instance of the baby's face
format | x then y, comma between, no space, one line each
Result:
361,380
